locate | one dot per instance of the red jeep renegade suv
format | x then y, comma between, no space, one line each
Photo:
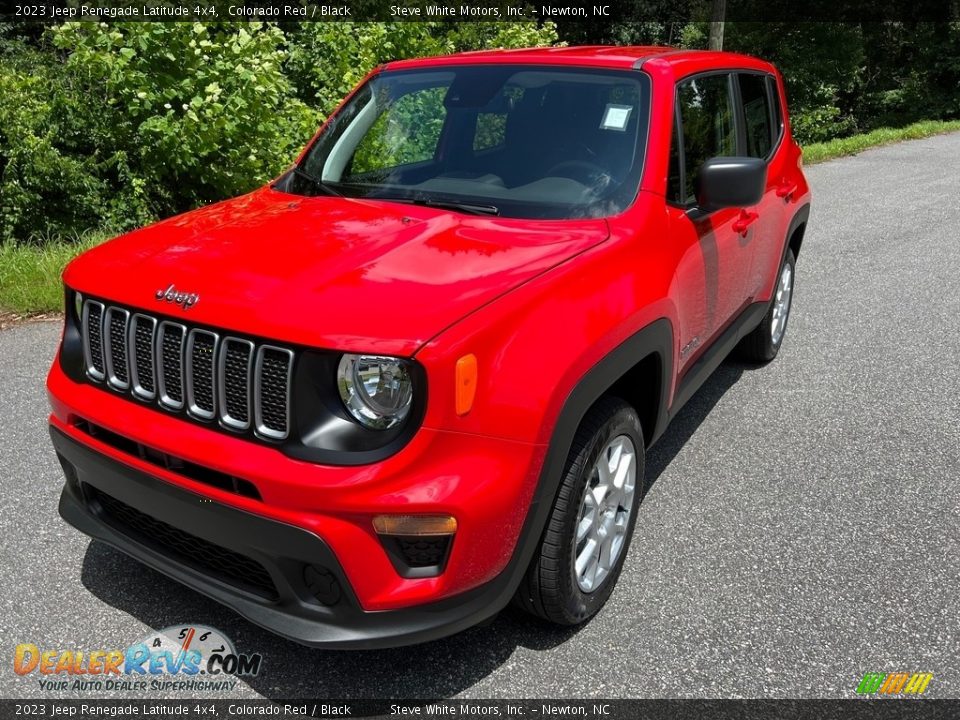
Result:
415,376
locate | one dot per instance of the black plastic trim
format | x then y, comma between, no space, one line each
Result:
319,416
713,354
392,546
640,62
197,473
284,550
799,218
656,338
278,546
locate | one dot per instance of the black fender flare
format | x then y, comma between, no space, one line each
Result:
655,338
800,217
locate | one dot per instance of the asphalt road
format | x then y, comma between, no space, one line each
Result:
802,529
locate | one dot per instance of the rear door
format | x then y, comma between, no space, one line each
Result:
714,268
762,137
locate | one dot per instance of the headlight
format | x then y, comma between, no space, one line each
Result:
376,389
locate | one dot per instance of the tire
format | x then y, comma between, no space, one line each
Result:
552,588
764,341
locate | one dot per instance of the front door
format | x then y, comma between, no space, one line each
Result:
714,268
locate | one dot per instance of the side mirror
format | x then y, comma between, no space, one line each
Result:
731,182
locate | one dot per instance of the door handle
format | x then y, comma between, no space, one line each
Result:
747,217
786,190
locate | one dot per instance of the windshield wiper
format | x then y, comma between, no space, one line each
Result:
464,207
469,208
315,182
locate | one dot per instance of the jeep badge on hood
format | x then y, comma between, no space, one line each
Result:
172,295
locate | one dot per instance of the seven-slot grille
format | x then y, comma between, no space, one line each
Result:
207,375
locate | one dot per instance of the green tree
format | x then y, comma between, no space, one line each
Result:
327,59
822,65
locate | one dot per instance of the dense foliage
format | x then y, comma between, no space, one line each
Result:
842,78
113,125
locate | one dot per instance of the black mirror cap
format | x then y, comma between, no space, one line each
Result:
731,182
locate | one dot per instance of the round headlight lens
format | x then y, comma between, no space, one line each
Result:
375,389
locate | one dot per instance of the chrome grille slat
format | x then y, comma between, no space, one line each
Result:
271,383
142,372
236,363
169,358
92,323
201,374
115,347
243,385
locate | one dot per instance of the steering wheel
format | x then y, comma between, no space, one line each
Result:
584,172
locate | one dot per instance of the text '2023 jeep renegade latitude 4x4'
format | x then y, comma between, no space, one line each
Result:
415,376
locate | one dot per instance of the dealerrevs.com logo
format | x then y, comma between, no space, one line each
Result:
896,683
185,657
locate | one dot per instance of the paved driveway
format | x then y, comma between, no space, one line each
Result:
802,529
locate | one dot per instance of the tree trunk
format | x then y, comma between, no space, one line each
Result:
715,41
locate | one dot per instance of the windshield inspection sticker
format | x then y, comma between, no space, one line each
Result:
616,117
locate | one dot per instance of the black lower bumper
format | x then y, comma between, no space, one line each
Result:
279,576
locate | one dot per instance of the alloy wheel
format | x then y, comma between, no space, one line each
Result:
781,304
601,529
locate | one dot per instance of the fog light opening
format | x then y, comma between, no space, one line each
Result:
322,585
418,545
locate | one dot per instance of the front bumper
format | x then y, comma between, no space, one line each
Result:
487,484
202,543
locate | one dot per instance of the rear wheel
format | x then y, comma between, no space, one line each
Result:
588,533
763,343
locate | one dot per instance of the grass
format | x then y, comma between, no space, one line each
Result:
30,274
818,152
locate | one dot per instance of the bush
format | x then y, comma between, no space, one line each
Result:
113,125
202,112
132,121
51,178
820,124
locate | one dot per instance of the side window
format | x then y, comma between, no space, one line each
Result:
491,131
756,114
706,115
407,131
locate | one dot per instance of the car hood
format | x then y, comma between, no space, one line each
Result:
339,273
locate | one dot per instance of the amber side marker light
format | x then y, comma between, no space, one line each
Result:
466,389
415,525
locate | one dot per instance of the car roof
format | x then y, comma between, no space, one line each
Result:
675,61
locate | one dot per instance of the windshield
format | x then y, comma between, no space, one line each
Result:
512,140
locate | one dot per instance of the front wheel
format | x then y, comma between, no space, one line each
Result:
584,545
763,343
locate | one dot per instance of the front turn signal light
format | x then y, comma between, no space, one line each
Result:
415,525
466,389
